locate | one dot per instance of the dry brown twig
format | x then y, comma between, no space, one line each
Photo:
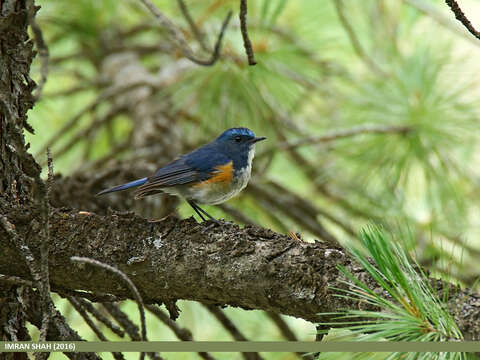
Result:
88,306
181,333
430,10
47,304
460,16
127,280
287,332
106,94
179,40
41,47
121,318
130,285
232,329
243,28
197,33
16,280
130,328
38,271
83,313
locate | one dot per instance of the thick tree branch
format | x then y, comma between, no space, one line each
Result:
252,268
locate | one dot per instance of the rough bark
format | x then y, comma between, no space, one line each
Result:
253,268
16,165
21,188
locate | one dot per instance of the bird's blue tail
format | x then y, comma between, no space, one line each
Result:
129,185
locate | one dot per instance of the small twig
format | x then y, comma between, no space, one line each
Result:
129,283
107,94
87,319
282,326
78,297
460,16
338,134
226,322
193,27
243,28
181,333
130,328
81,310
100,317
50,171
41,47
357,46
232,329
287,332
127,280
179,40
64,292
428,9
59,328
96,124
37,273
44,250
16,280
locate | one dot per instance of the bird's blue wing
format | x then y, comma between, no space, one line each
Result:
194,167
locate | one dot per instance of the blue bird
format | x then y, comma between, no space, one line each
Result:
211,174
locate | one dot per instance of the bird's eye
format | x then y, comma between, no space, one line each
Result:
237,139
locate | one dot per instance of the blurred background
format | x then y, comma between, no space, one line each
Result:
371,109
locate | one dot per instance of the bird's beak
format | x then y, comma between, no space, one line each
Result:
254,140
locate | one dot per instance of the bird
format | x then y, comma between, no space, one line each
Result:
210,174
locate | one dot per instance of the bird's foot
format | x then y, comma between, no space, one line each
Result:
210,224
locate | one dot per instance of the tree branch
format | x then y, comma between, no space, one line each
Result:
179,40
244,30
182,333
42,48
460,16
180,259
129,283
233,330
199,36
438,16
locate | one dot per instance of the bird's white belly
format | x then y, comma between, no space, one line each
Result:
218,193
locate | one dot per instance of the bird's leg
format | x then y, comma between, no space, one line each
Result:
208,215
200,211
195,207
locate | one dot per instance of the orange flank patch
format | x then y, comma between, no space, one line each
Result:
222,175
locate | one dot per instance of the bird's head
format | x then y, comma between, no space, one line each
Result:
238,139
238,144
